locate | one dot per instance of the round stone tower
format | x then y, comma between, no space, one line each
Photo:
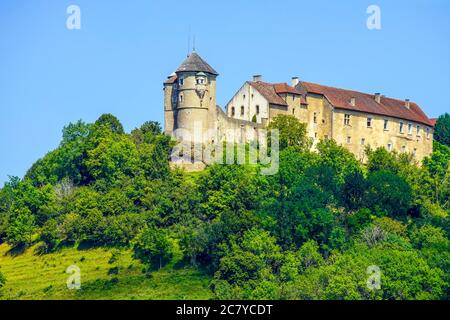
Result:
190,97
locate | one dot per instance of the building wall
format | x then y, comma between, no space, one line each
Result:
357,135
248,98
322,120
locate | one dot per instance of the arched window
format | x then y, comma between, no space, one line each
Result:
233,112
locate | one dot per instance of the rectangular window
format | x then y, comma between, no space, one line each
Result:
349,139
369,122
428,133
389,146
363,141
401,127
181,98
386,124
346,120
418,130
409,128
181,81
315,117
403,149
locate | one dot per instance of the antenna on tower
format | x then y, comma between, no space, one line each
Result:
189,42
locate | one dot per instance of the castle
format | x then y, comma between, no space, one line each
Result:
353,119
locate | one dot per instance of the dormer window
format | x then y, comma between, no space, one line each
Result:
200,78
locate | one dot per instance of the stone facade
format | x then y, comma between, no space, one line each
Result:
353,119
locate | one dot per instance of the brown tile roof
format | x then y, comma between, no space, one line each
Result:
364,102
268,92
433,121
171,80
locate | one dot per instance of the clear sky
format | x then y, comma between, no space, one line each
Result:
116,63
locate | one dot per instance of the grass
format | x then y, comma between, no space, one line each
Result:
36,277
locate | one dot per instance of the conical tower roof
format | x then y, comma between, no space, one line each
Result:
196,64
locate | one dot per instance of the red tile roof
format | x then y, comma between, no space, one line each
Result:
268,92
272,91
364,102
171,80
433,121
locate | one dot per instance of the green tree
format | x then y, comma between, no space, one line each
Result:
110,122
292,132
21,228
442,129
152,246
388,193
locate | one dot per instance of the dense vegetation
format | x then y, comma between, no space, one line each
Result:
312,231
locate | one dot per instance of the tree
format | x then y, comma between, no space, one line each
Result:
442,129
292,132
388,193
21,228
111,122
152,246
353,191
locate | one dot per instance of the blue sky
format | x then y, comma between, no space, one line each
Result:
51,76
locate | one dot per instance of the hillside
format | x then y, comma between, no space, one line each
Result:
323,225
32,276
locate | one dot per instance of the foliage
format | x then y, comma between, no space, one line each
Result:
292,133
310,231
442,129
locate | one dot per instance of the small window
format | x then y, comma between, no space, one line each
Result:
346,120
415,152
293,111
315,117
386,124
257,109
403,149
242,110
233,111
181,98
389,146
201,81
349,139
363,141
315,135
418,130
428,133
243,96
369,122
181,81
401,127
409,128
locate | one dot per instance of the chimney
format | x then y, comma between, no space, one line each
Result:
353,101
378,97
407,103
257,78
295,81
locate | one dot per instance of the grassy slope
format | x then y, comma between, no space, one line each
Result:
30,276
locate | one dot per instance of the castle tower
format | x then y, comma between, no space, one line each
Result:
190,96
